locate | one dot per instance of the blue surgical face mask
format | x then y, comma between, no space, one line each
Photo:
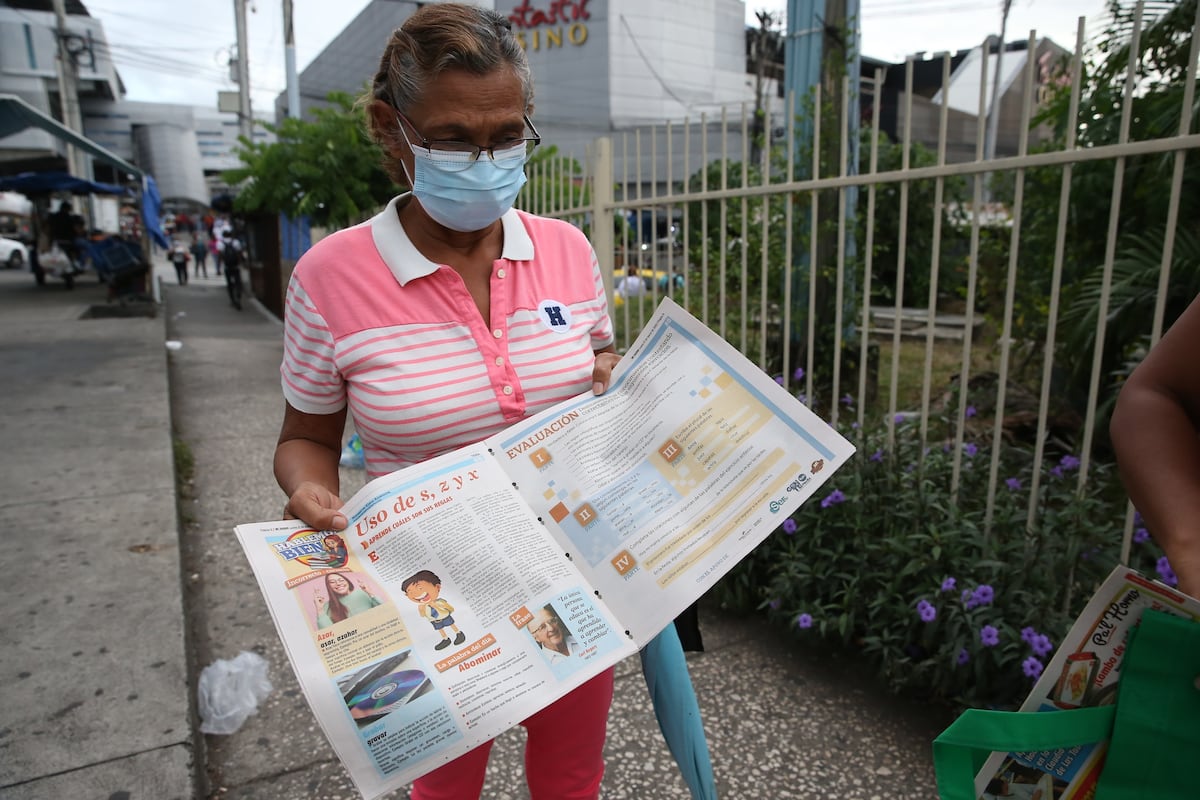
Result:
467,199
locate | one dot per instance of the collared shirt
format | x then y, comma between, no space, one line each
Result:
370,322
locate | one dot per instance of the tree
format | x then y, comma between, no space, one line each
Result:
1155,113
326,169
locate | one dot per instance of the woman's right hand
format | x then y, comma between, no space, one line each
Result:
317,507
319,601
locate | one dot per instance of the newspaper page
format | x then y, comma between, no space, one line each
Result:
662,484
426,627
472,590
1083,672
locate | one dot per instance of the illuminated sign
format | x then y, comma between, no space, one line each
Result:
563,20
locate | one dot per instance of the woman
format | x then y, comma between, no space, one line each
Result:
344,600
1154,430
447,318
335,554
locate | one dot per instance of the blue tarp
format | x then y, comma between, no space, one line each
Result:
152,212
44,182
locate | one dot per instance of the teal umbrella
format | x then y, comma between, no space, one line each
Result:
678,712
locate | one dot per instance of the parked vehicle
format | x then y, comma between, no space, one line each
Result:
13,254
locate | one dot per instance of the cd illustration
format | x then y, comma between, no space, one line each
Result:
385,693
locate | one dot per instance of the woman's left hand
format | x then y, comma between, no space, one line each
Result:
606,360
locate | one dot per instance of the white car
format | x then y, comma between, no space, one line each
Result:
13,254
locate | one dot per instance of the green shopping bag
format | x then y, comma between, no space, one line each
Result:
1152,733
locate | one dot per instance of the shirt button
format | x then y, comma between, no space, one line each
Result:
500,273
498,333
499,361
508,390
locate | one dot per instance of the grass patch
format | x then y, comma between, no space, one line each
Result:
185,473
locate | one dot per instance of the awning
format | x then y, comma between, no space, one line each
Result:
16,115
29,183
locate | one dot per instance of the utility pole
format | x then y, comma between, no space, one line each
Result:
245,121
763,40
993,119
289,56
78,164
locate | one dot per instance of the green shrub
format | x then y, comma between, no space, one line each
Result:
887,563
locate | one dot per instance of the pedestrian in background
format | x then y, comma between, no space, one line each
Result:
200,253
214,248
179,259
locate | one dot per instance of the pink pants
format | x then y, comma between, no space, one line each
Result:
564,754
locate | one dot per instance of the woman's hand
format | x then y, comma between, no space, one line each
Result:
606,360
319,601
317,507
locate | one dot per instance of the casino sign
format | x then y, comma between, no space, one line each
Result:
562,20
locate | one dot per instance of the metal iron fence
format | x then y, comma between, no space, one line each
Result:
731,235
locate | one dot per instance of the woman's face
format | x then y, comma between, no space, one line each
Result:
338,585
332,542
457,105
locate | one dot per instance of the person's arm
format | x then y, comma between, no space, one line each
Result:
1155,433
306,467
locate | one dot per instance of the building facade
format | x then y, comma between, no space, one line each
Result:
184,147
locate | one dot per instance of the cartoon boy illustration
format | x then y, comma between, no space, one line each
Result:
424,589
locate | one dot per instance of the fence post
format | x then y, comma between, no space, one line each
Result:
602,211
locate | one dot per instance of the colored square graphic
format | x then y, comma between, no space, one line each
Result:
623,562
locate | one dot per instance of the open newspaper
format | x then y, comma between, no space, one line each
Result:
474,589
1084,672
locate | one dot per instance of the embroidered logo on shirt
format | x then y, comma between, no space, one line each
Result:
555,316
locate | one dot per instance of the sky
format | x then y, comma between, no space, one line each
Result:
171,52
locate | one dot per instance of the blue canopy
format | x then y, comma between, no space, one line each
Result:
45,182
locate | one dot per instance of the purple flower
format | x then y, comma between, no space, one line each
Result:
963,656
774,604
833,498
948,584
1031,667
1069,462
1013,484
970,449
877,456
983,594
779,379
1163,567
854,425
1141,535
802,397
804,621
927,611
847,399
1028,633
1056,472
789,526
989,636
1137,517
966,598
899,419
1042,646
970,412
798,375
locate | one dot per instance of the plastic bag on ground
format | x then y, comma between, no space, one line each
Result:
352,454
230,691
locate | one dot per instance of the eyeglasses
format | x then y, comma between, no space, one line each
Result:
544,626
456,155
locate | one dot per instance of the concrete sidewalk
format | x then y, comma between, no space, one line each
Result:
96,689
94,667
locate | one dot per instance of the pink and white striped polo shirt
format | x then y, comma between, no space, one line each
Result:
371,322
